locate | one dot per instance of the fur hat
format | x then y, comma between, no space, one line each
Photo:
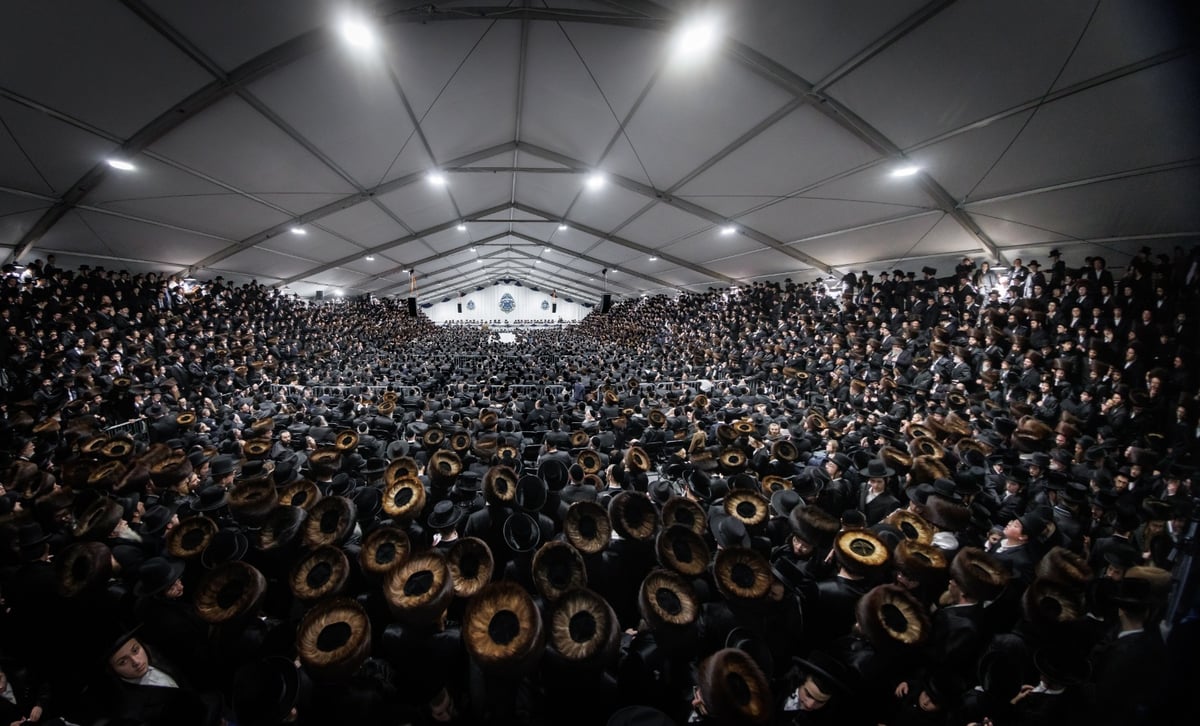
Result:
667,601
500,485
741,573
229,592
190,538
748,506
890,617
419,590
814,525
383,549
734,688
860,551
682,550
322,572
557,569
1046,603
330,521
633,516
502,628
584,630
83,566
685,512
926,469
334,639
979,575
912,526
471,565
587,527
404,498
922,563
1065,567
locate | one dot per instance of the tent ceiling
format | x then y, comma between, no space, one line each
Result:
1068,124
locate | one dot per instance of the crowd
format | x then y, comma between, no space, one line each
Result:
897,498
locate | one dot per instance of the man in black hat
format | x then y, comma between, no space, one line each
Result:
874,500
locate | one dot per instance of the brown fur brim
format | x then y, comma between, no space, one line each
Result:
666,600
228,592
419,590
978,574
334,639
502,628
734,688
742,574
889,616
557,569
319,574
685,512
587,527
471,565
584,629
682,550
1065,567
860,551
383,549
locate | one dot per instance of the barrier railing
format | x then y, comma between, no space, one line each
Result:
135,428
658,389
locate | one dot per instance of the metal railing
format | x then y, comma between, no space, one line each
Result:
134,428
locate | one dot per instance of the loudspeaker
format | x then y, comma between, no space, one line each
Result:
412,306
553,308
460,308
605,303
320,295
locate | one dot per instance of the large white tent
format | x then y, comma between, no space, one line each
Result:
588,146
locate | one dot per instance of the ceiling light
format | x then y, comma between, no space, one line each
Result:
653,258
121,165
370,258
906,170
595,181
728,230
437,178
472,249
562,227
300,231
461,227
357,33
338,293
537,262
697,36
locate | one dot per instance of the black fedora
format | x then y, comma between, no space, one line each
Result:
876,469
633,516
682,550
445,515
157,575
521,532
265,691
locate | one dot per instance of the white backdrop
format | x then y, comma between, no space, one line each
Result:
484,306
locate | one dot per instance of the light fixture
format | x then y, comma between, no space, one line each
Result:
472,249
357,33
300,231
370,258
906,170
696,37
437,178
728,230
537,262
562,227
653,258
338,293
461,227
595,181
121,165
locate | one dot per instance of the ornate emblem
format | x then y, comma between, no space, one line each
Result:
545,305
470,305
507,303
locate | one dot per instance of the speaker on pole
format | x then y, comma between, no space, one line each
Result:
460,308
605,303
553,308
319,295
412,306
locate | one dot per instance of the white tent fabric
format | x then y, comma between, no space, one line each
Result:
1035,125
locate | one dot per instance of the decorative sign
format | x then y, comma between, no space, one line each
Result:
470,305
545,305
507,303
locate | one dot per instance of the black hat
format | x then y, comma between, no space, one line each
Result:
228,592
557,569
531,494
682,550
281,528
923,563
814,525
32,540
320,573
226,546
832,676
587,527
729,531
584,629
522,533
156,575
502,628
334,639
419,590
471,565
445,515
554,473
265,691
97,522
157,517
876,469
